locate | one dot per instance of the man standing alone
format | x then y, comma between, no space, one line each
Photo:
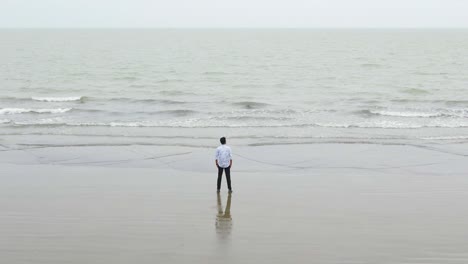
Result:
224,162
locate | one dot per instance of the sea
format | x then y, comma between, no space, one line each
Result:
189,87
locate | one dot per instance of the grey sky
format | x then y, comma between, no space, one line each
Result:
233,13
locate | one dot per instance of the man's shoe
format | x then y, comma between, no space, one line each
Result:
217,191
230,191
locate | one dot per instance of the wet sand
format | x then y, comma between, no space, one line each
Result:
320,203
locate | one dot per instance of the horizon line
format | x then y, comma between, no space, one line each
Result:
231,28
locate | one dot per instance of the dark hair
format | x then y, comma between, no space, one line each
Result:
222,140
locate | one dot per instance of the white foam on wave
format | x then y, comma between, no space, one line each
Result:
389,124
4,121
203,123
131,124
406,114
461,112
395,125
58,99
111,124
444,112
12,111
446,138
332,125
43,121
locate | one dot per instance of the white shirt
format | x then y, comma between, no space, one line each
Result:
223,156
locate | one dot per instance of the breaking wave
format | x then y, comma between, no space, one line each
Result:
59,99
394,125
203,123
460,113
446,138
12,111
149,101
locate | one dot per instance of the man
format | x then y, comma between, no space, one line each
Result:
224,162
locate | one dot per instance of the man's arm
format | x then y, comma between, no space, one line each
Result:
230,157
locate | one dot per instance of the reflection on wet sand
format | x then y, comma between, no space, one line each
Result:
224,219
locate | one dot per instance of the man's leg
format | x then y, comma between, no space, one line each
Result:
220,176
228,177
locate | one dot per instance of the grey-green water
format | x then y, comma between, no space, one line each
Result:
254,86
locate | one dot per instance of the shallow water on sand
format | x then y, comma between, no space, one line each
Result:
323,203
98,215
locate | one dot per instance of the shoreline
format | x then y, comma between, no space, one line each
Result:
444,159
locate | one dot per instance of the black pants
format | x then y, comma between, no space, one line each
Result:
228,176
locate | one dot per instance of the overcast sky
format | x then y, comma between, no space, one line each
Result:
233,13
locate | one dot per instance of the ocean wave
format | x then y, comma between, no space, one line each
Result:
199,123
371,65
417,113
41,122
175,93
263,113
394,125
170,81
456,102
250,104
445,138
11,111
125,78
151,101
177,112
148,124
382,124
253,118
429,73
415,91
59,99
403,113
137,85
216,73
431,102
14,99
5,121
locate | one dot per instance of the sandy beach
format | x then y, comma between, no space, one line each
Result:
309,203
347,120
349,145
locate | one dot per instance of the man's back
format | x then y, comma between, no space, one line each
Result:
224,156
